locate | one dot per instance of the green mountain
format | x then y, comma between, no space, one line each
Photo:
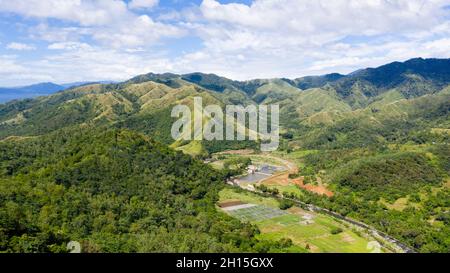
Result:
97,163
112,191
338,111
315,81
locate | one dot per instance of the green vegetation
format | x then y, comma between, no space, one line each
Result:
113,191
93,163
315,235
411,225
239,163
193,148
390,176
336,230
398,191
286,190
286,204
246,197
270,190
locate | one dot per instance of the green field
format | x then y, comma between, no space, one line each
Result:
315,236
194,148
247,197
292,189
256,158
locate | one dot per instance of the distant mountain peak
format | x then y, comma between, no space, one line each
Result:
35,90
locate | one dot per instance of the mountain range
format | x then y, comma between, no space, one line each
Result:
35,90
376,101
374,136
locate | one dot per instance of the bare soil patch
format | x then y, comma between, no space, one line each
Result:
230,203
347,238
284,180
321,190
318,189
297,210
280,179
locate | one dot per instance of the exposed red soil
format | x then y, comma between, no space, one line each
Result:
321,190
280,179
284,180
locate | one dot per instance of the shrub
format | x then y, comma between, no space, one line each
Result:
336,230
286,204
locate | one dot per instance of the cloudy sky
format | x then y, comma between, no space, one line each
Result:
82,40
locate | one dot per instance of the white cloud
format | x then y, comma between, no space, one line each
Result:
143,4
68,46
71,63
108,21
110,39
84,12
9,65
304,16
140,31
298,22
20,46
291,38
13,73
45,32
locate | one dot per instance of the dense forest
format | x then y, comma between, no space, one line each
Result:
113,191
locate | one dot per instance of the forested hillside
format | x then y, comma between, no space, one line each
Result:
113,191
97,164
335,111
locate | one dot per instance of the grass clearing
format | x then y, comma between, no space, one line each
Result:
194,148
399,204
218,165
229,194
316,235
292,189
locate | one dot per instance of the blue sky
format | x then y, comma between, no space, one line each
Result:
87,40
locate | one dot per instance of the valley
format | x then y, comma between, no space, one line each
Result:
300,226
97,164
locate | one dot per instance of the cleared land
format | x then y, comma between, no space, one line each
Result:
279,180
282,180
306,229
315,235
254,213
